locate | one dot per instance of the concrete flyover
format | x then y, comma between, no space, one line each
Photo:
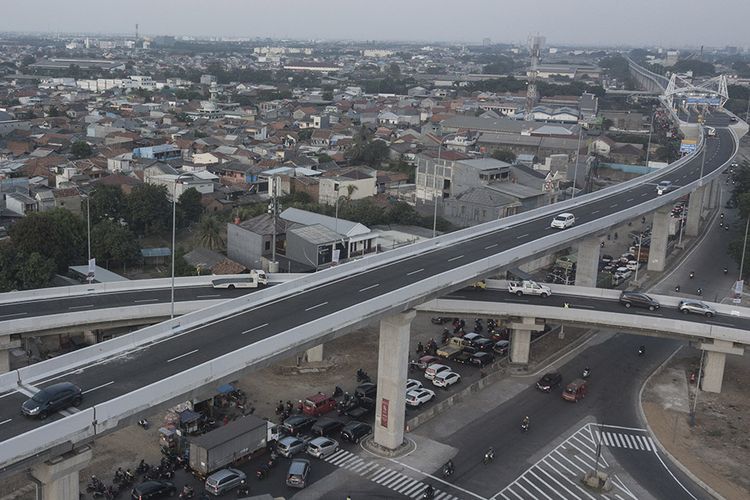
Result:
726,333
166,363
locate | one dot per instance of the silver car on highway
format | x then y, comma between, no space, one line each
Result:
696,307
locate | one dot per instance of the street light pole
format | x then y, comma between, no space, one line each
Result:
638,256
578,153
650,132
174,231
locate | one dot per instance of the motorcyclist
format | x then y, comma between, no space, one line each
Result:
700,291
641,350
428,493
726,270
489,455
586,372
448,468
677,288
692,274
525,422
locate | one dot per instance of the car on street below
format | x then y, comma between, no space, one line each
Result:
366,390
472,337
435,369
484,344
481,359
427,360
638,299
354,431
549,381
290,445
501,347
297,424
446,379
224,480
51,399
299,469
326,426
153,489
696,307
418,397
321,447
412,384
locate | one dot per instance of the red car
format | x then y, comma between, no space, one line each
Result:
426,361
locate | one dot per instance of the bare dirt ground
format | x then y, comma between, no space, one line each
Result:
717,448
342,358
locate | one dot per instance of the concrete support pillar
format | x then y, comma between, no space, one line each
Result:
657,254
90,337
695,210
715,193
315,354
5,346
59,476
713,371
587,266
520,338
393,362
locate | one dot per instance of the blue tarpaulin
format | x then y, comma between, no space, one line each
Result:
226,389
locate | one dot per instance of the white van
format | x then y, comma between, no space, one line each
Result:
563,221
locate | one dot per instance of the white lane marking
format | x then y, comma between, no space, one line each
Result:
146,300
182,355
629,200
614,205
81,307
254,328
13,315
522,236
98,387
5,421
370,287
490,246
455,258
207,296
316,306
595,212
415,272
644,194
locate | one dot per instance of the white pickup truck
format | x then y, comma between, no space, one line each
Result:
528,287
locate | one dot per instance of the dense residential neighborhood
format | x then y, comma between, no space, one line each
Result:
114,131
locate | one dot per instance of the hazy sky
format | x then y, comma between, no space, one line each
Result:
632,22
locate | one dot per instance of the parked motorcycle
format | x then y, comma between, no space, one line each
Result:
586,373
187,492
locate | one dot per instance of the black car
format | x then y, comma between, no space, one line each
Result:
297,424
484,344
366,390
354,431
51,399
481,359
549,381
638,299
501,347
326,426
153,489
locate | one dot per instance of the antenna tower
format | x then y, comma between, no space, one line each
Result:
535,50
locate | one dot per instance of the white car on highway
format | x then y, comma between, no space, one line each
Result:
563,221
418,397
412,384
446,379
664,187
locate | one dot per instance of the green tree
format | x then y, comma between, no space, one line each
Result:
190,206
372,153
35,271
81,149
107,202
394,71
149,211
505,155
209,233
305,134
57,234
111,242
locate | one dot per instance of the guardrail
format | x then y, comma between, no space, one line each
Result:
633,322
126,286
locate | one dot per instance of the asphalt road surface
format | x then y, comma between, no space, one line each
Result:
103,381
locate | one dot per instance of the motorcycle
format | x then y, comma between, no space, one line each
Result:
677,288
700,291
447,470
187,492
143,423
142,468
489,456
243,489
428,493
524,425
586,373
338,391
692,274
641,351
726,270
362,376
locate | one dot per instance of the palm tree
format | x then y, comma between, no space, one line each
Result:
209,233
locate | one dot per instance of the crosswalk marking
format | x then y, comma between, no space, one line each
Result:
557,475
384,476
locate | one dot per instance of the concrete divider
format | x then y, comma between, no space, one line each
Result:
74,429
9,381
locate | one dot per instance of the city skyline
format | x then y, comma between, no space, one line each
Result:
578,22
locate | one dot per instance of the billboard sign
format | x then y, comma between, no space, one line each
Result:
688,146
706,100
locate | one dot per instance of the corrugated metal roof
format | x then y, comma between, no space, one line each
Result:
316,234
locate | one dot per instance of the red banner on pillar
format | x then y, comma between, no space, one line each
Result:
384,413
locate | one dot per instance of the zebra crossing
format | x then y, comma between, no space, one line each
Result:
384,476
558,474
